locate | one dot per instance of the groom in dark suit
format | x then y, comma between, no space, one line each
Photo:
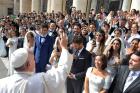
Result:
82,60
127,80
43,48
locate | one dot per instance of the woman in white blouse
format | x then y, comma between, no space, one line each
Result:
57,49
97,79
99,47
12,44
114,52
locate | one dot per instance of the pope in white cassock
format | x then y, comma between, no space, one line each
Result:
24,81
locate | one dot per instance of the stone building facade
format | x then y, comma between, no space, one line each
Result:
21,6
6,7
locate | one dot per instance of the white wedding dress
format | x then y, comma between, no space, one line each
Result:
96,83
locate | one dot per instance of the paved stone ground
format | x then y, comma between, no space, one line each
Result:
4,64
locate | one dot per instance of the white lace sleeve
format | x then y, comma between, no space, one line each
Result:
107,82
89,72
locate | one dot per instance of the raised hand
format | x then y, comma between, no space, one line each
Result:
63,40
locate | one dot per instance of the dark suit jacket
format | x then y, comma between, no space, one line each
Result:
42,52
125,60
80,64
70,37
54,34
119,81
20,42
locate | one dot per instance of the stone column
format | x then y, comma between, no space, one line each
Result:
49,6
126,5
135,4
16,7
80,5
36,5
64,6
56,5
41,5
68,6
88,9
93,4
25,6
44,7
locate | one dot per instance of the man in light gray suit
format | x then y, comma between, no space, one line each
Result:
127,80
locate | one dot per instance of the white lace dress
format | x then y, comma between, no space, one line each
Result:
96,83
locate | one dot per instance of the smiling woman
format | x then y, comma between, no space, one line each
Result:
115,53
134,46
97,78
100,42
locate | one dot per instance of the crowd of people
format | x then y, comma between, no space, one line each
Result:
105,49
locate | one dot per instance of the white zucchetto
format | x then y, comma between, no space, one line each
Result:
19,57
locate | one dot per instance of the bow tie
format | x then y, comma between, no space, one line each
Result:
42,39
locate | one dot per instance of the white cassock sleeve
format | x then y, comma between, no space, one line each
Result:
55,78
53,81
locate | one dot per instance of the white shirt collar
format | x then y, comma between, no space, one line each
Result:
137,72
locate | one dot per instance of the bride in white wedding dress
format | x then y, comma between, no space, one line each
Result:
29,41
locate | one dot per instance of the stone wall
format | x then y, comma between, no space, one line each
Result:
4,5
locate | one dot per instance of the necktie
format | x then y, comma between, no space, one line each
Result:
130,77
76,53
129,80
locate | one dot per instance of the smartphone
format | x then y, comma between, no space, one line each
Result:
94,42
